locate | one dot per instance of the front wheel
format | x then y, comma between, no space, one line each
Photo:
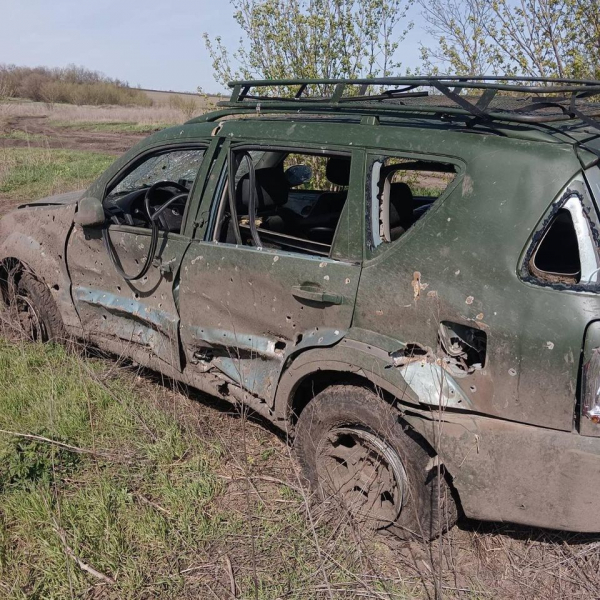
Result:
353,448
36,311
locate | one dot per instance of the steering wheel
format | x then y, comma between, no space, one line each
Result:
152,218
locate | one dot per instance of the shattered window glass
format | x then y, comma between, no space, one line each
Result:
181,166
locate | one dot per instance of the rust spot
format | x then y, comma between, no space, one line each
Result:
416,283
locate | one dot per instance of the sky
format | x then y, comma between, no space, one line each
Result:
156,44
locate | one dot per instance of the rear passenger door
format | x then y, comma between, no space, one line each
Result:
283,282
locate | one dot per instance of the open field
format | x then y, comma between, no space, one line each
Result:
164,98
116,483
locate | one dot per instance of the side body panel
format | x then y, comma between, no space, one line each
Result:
518,473
459,265
136,312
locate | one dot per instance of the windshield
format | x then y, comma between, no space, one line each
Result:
181,166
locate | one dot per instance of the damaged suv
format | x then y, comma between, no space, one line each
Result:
402,274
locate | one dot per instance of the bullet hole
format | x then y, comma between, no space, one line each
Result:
299,338
55,287
473,388
469,300
118,288
279,346
136,296
512,372
288,318
104,317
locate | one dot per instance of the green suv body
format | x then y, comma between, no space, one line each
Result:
413,295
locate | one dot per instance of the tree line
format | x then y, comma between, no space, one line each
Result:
72,84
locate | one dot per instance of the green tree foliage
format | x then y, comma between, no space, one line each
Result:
312,39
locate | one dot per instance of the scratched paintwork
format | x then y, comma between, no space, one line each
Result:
224,319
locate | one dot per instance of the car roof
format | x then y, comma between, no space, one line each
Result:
535,109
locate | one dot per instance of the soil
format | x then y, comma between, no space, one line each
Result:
46,136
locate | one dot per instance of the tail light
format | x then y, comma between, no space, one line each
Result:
591,387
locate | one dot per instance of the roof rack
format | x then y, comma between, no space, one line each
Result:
525,100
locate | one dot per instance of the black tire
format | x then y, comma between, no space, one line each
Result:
344,421
37,311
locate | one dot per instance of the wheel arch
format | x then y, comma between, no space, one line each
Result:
35,240
357,364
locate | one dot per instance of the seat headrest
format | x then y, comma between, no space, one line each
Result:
272,188
402,205
337,171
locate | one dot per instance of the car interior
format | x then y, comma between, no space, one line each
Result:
556,258
299,200
405,191
157,189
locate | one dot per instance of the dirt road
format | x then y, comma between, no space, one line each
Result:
43,135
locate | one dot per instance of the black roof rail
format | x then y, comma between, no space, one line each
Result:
524,100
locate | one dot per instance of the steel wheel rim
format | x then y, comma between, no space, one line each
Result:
29,319
364,473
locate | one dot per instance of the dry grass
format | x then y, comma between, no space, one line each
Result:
99,114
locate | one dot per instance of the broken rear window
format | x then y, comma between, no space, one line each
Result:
557,255
565,249
402,192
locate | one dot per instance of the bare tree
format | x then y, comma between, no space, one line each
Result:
537,38
462,42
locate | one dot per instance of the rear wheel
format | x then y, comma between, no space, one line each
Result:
36,311
353,448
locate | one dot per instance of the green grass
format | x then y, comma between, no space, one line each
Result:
134,518
110,126
32,173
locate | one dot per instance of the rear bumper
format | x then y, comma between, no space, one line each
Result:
521,474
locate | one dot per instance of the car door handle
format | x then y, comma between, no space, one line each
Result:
305,292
